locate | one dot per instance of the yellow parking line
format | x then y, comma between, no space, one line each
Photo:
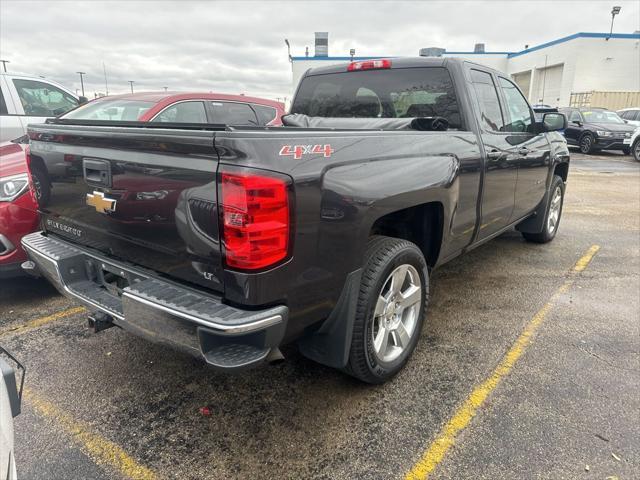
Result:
38,322
462,417
99,449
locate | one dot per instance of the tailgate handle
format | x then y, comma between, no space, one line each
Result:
97,172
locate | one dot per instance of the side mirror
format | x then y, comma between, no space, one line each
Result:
14,393
577,122
554,121
82,100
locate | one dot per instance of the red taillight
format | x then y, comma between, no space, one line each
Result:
255,219
369,65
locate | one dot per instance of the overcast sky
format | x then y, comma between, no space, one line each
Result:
238,47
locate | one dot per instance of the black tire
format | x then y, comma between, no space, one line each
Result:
383,256
547,234
586,143
41,185
636,150
626,150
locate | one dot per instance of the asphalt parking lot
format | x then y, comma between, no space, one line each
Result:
565,317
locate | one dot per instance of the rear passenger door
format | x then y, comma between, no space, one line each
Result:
500,174
183,112
532,149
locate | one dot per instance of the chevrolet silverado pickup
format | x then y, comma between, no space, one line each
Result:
230,241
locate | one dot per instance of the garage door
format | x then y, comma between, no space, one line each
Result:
546,85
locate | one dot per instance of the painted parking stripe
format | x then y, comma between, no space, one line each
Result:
38,322
462,417
102,451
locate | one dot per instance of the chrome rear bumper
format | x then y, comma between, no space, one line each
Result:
157,309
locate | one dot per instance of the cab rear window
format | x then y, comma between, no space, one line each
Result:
389,93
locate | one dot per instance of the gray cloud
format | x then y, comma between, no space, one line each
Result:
238,47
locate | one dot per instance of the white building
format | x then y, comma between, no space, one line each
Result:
551,72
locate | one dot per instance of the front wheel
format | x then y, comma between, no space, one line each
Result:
636,150
626,150
390,311
586,144
553,213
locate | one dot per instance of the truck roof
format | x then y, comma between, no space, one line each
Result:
402,62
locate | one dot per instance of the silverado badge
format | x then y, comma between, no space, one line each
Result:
101,203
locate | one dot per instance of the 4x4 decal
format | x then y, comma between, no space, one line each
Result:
297,151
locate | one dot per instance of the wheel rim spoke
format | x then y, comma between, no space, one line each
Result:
381,341
398,277
402,336
381,305
410,296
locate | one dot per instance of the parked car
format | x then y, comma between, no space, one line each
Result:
28,99
593,129
18,207
174,107
322,232
630,115
10,403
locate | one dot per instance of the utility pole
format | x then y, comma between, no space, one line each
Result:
106,86
4,65
131,83
81,81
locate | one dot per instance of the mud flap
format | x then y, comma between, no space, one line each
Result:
330,345
535,223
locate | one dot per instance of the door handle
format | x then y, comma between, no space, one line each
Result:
494,154
523,151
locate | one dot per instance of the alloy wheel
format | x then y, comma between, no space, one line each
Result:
396,313
554,210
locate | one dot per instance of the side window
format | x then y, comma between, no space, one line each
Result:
230,113
265,114
3,105
184,112
575,116
519,112
41,99
490,112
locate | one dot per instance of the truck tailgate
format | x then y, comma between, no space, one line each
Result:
142,195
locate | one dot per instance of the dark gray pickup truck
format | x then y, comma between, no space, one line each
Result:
229,242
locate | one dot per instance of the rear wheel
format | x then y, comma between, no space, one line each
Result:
586,143
391,307
553,213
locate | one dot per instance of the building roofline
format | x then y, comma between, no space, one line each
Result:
630,36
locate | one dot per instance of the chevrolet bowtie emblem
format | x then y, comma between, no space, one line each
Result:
100,203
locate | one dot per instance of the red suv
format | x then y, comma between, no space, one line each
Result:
18,208
175,107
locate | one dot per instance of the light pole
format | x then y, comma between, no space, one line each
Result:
615,11
286,41
4,65
81,81
352,52
131,83
165,88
